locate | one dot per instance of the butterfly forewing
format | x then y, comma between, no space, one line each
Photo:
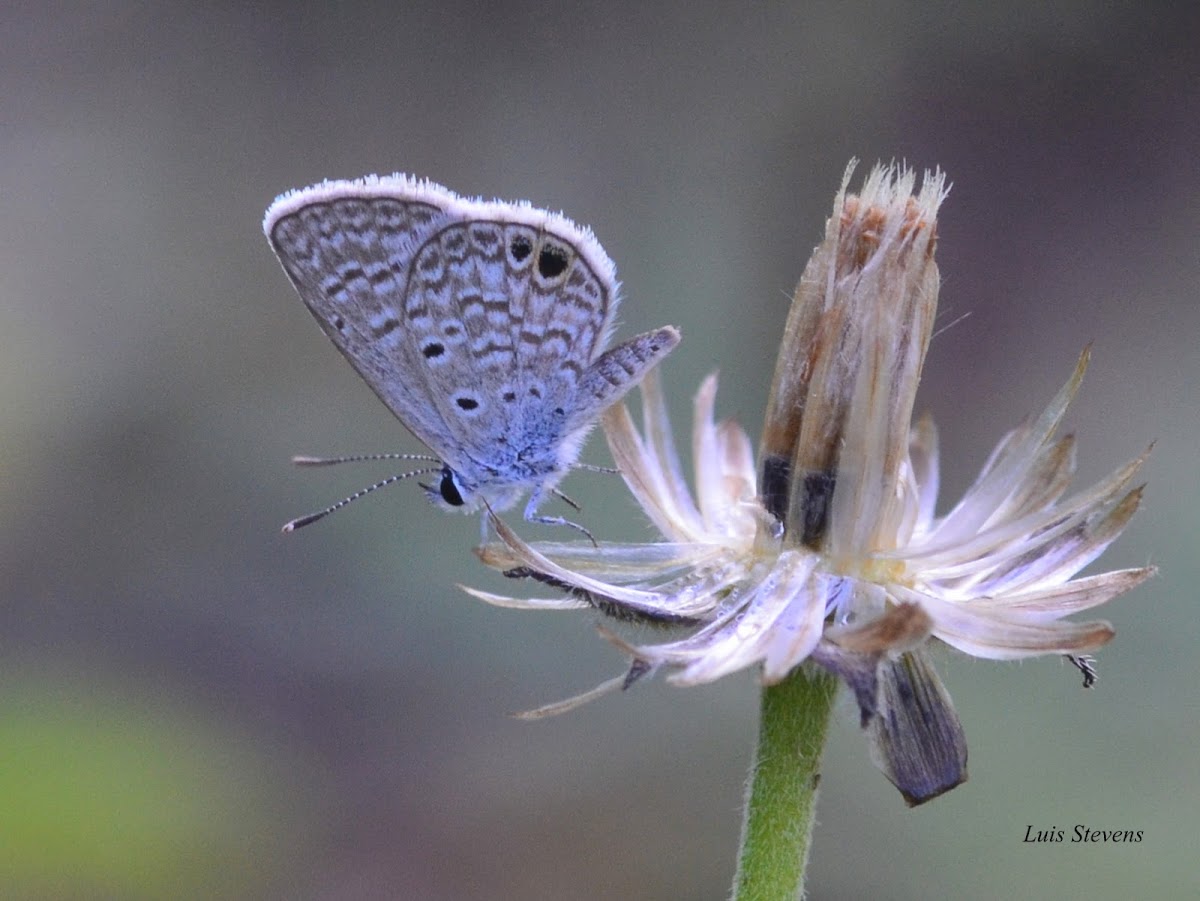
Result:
348,258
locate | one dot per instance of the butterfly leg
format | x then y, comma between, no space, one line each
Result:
588,467
531,515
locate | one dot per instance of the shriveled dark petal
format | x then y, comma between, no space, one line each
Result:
901,627
915,736
859,671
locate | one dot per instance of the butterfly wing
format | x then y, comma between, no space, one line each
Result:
508,306
482,326
348,247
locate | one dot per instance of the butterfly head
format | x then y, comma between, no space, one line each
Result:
476,491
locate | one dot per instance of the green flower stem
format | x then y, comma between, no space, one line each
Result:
782,794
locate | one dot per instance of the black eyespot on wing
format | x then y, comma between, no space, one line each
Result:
389,325
454,241
510,396
552,261
466,403
535,391
448,490
430,262
339,323
433,349
520,248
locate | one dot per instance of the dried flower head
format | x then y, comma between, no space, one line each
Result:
830,550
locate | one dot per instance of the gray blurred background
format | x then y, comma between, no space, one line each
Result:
193,705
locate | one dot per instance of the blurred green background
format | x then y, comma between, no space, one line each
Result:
193,705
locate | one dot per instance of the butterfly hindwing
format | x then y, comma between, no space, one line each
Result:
506,315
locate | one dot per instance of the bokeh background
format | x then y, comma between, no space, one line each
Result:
194,705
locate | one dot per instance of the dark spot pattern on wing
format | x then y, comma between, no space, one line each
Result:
517,314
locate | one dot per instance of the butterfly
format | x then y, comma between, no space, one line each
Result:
482,325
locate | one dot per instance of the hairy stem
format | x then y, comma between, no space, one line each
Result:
782,792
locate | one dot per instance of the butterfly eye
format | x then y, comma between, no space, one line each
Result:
448,490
